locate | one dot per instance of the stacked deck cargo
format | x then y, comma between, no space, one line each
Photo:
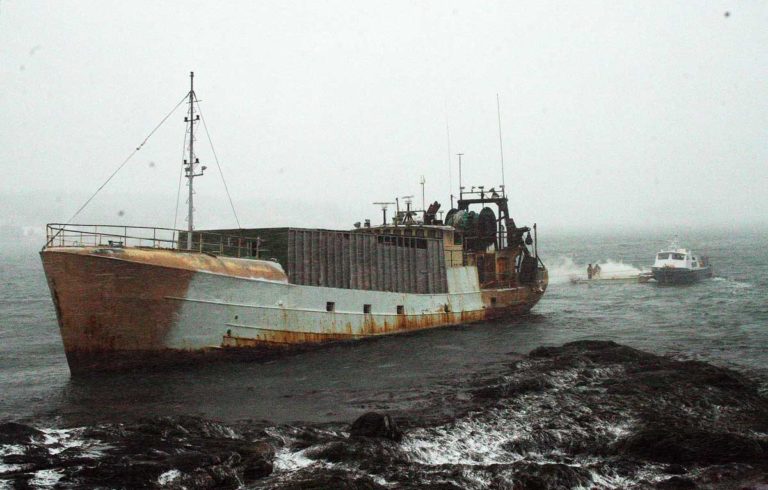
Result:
350,260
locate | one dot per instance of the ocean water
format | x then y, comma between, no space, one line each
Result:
723,321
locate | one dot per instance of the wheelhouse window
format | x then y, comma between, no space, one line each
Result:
670,255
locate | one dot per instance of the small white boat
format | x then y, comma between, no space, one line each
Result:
632,277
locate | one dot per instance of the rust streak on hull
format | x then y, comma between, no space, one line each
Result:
111,305
402,324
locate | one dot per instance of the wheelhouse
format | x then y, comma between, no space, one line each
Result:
679,258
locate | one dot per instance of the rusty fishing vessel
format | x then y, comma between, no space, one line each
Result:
129,297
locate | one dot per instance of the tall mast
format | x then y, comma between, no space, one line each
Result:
191,164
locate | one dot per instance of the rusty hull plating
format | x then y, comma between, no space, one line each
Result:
123,308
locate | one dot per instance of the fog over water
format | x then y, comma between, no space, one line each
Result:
622,123
620,114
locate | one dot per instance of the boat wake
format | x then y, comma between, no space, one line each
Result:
564,269
733,282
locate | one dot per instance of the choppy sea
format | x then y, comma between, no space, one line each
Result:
723,321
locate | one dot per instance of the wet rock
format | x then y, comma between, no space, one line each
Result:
256,460
675,469
521,446
306,437
513,388
105,432
571,412
707,385
547,476
374,424
185,426
174,452
15,433
732,472
544,352
692,445
188,460
334,452
225,475
492,393
256,468
366,453
584,352
322,479
676,483
121,473
181,481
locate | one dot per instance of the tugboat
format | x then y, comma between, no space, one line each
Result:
676,265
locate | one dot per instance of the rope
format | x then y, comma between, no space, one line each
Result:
121,165
181,173
217,161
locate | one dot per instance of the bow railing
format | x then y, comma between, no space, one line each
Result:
114,236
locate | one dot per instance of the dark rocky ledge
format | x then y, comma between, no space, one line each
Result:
586,414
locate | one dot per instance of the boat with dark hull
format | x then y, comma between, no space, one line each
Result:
130,297
676,265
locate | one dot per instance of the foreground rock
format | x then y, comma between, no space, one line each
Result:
373,424
15,433
180,452
582,415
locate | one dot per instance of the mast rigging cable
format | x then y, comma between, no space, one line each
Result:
122,165
139,147
181,176
216,158
501,146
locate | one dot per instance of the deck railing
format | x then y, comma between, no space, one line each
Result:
79,235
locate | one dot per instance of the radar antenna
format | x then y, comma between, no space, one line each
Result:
384,209
408,217
674,244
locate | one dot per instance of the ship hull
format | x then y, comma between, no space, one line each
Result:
672,276
121,309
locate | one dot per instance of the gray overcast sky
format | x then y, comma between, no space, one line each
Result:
614,113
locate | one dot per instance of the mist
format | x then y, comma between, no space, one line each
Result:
615,115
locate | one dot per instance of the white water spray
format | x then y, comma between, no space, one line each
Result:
563,269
